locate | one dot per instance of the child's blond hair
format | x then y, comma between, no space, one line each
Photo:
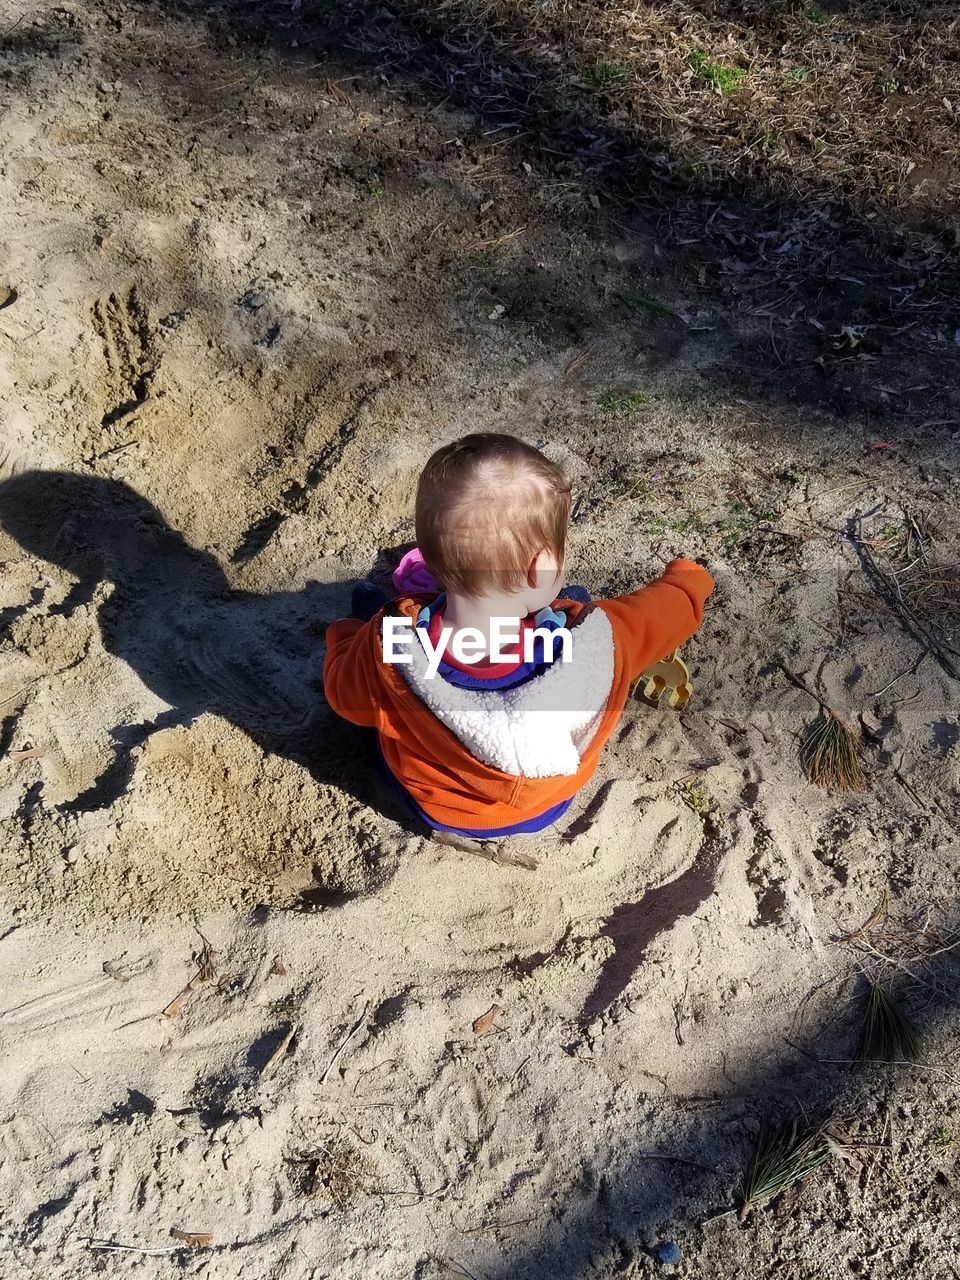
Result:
487,505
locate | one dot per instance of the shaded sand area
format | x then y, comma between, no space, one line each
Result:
251,275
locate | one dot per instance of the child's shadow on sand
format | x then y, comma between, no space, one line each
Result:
198,644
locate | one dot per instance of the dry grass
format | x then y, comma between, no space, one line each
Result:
933,591
335,1171
801,164
831,754
912,952
910,944
918,583
856,103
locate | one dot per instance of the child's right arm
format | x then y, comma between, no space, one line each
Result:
650,623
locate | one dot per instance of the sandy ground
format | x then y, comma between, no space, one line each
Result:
249,293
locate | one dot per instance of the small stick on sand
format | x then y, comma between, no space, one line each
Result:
910,671
486,1020
910,790
461,1269
889,589
345,1041
802,684
715,1217
693,1164
875,1062
109,1246
280,1050
496,1226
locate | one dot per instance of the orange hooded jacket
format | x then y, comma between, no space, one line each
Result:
448,781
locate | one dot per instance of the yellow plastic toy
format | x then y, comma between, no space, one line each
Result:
670,673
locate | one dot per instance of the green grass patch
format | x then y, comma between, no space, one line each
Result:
723,79
604,75
739,524
371,186
622,404
698,799
660,526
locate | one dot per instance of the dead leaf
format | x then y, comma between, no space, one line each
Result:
486,1020
32,753
193,1239
278,969
838,1144
187,994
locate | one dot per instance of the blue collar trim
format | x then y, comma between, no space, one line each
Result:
548,618
425,614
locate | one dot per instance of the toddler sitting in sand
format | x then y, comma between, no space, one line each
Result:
491,691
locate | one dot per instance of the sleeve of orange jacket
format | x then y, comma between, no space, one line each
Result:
649,623
348,681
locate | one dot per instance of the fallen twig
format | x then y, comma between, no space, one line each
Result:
910,789
486,1020
693,1164
802,685
461,1269
871,1062
184,998
110,1246
345,1041
496,1226
877,1156
910,671
495,241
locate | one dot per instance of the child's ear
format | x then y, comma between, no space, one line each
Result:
543,563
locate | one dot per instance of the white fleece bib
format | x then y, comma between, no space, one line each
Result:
539,729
